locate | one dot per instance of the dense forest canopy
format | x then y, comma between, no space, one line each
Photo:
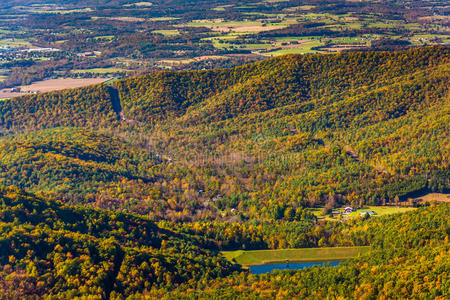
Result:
261,141
66,252
72,251
130,189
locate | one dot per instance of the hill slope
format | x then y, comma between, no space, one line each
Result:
409,259
243,151
52,249
250,142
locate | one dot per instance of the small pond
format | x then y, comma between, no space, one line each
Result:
261,269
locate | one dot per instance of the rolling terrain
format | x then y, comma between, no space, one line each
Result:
132,189
256,141
51,249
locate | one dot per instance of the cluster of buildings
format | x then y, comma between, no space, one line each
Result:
348,210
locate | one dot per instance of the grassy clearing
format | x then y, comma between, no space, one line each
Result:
296,8
123,19
237,26
295,38
98,71
349,40
220,22
379,210
162,19
320,16
165,62
265,14
255,257
176,61
13,43
168,32
139,4
51,10
104,37
429,36
301,49
255,46
339,27
383,210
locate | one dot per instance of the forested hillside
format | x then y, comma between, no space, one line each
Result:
84,107
319,80
258,141
409,259
51,249
131,189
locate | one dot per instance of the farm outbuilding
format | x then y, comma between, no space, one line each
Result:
370,213
348,210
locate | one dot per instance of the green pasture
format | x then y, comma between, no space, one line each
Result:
12,43
52,10
382,210
349,40
162,19
302,48
104,37
255,257
204,23
295,38
99,70
139,4
167,32
379,210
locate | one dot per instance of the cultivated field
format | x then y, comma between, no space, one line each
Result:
255,257
99,71
239,26
61,84
52,85
172,32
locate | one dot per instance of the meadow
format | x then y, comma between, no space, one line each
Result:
255,257
379,211
167,32
99,71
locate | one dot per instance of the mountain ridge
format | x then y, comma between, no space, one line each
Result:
288,132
